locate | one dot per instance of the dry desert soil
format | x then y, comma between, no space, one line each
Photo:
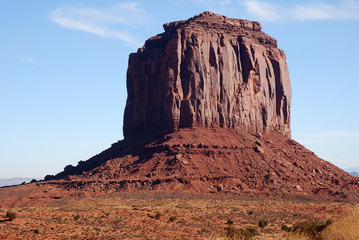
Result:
159,215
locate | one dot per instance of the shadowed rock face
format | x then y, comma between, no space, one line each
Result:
208,71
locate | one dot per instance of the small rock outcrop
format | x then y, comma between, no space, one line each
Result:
208,71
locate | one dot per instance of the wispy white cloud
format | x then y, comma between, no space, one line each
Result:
269,11
328,138
102,22
26,59
344,10
324,11
263,10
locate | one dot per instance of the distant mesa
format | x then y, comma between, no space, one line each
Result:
208,110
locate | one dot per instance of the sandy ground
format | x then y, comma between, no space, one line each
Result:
149,215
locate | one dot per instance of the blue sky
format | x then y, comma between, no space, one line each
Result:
63,72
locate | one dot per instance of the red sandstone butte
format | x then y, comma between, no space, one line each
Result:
208,71
208,110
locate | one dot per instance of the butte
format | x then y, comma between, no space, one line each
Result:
208,110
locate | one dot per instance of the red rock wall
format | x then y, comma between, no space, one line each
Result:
208,71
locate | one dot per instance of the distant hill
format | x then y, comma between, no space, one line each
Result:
13,181
353,171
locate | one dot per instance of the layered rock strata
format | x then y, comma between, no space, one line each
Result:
208,71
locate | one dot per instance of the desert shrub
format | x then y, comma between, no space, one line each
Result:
346,228
305,230
286,228
230,221
235,233
11,215
158,215
37,231
250,212
77,217
172,219
262,223
309,228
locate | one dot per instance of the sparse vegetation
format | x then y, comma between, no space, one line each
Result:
235,233
306,230
296,236
168,217
230,221
77,217
11,215
158,215
172,219
344,228
262,223
36,231
285,228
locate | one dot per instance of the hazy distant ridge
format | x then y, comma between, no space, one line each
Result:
13,181
353,171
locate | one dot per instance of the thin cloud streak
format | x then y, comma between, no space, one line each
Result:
264,10
345,10
102,22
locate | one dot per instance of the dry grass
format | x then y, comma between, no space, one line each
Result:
296,236
133,216
346,228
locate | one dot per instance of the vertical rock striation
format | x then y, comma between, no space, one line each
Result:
208,71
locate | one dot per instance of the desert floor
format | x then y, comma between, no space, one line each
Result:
162,216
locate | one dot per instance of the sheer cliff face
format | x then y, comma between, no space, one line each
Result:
208,71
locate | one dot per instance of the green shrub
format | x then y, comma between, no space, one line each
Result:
11,215
309,228
245,234
230,221
158,215
262,223
286,228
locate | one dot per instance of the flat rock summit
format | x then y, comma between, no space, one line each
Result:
208,71
208,110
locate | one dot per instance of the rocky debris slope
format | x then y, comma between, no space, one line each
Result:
208,71
218,161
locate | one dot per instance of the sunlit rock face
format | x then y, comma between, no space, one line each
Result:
208,71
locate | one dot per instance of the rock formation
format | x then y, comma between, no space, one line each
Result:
208,110
208,71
